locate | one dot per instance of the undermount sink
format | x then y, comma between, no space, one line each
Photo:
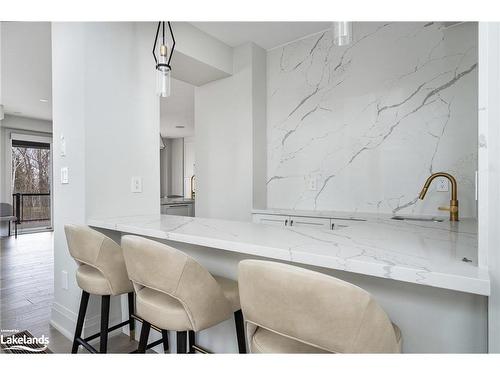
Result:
416,218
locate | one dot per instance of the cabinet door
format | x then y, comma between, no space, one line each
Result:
278,220
178,210
310,222
191,209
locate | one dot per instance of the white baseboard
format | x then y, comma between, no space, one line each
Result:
64,320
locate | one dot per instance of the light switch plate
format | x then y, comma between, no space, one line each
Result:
136,184
64,175
442,184
63,145
64,280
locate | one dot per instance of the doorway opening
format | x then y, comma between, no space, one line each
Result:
31,183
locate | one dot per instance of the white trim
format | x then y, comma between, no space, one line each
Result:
482,147
64,320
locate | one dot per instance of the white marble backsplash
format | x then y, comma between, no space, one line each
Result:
360,127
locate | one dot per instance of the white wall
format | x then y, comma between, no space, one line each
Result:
26,123
122,119
224,125
68,93
106,108
361,127
178,110
489,169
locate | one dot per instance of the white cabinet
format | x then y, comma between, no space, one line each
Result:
291,221
278,220
311,222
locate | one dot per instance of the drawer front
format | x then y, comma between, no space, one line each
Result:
277,220
309,222
178,210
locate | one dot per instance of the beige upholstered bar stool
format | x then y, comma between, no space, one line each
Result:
289,309
101,271
174,292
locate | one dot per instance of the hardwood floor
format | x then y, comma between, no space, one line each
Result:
27,291
27,282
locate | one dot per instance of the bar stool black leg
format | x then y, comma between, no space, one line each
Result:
181,342
164,336
240,331
81,318
131,321
143,341
103,345
192,342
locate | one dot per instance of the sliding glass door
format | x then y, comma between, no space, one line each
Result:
31,183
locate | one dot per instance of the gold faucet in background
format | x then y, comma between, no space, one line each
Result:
453,201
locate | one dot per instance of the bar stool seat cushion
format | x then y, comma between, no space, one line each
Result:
161,310
167,312
265,341
92,280
230,289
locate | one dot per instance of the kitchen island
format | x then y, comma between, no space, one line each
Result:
424,274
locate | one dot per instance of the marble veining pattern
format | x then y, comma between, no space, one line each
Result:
422,253
369,122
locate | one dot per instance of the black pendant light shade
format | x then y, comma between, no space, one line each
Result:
163,68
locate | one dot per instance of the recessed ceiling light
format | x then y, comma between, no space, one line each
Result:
180,126
44,100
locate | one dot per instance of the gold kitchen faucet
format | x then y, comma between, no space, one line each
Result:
453,208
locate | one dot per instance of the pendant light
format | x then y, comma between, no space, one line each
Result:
163,69
342,33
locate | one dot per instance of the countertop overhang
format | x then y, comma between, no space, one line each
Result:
425,253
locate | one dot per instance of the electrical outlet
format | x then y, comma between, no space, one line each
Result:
64,280
442,184
312,183
136,185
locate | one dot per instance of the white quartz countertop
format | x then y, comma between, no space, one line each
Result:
427,253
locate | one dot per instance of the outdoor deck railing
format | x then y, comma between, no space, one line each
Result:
31,207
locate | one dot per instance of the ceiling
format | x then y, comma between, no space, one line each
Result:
268,35
27,69
26,66
177,110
